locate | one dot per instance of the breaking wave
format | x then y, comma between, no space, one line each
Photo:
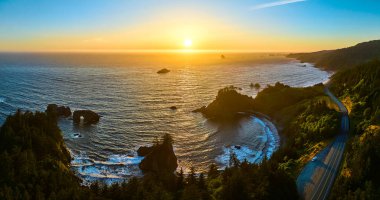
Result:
116,169
270,139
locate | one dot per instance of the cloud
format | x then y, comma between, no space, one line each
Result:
276,3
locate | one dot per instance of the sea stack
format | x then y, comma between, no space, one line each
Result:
159,158
163,71
89,117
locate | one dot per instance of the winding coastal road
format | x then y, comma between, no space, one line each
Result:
317,178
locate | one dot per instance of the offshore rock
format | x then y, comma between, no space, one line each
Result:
143,151
163,71
227,104
59,111
160,158
89,117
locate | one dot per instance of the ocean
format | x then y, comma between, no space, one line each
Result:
134,103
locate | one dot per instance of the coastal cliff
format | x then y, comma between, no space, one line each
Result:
342,58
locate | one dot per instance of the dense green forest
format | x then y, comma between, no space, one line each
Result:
34,161
359,88
342,58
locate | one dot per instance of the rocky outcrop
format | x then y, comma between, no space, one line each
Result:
163,71
159,158
89,117
143,151
256,86
227,105
59,111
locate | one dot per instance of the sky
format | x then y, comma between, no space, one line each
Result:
230,25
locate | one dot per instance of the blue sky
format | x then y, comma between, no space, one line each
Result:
258,25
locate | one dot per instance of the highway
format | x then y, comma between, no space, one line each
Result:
317,178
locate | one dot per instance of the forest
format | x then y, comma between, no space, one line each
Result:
359,88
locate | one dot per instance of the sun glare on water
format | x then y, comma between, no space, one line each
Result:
187,43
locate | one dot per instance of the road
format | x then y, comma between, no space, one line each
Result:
317,178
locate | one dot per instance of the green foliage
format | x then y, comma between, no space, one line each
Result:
314,122
362,85
360,178
307,118
280,96
264,181
34,160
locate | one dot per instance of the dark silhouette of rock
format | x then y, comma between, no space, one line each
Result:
227,104
173,107
143,151
161,158
59,111
256,86
89,117
163,71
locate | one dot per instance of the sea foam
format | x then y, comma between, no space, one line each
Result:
115,169
243,152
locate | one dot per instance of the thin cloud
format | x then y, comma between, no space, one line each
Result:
276,3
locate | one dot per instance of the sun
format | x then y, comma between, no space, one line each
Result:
187,43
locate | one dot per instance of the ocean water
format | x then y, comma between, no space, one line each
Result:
134,103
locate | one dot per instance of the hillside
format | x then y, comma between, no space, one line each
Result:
359,88
342,58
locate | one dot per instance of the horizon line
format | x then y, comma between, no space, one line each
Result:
150,51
